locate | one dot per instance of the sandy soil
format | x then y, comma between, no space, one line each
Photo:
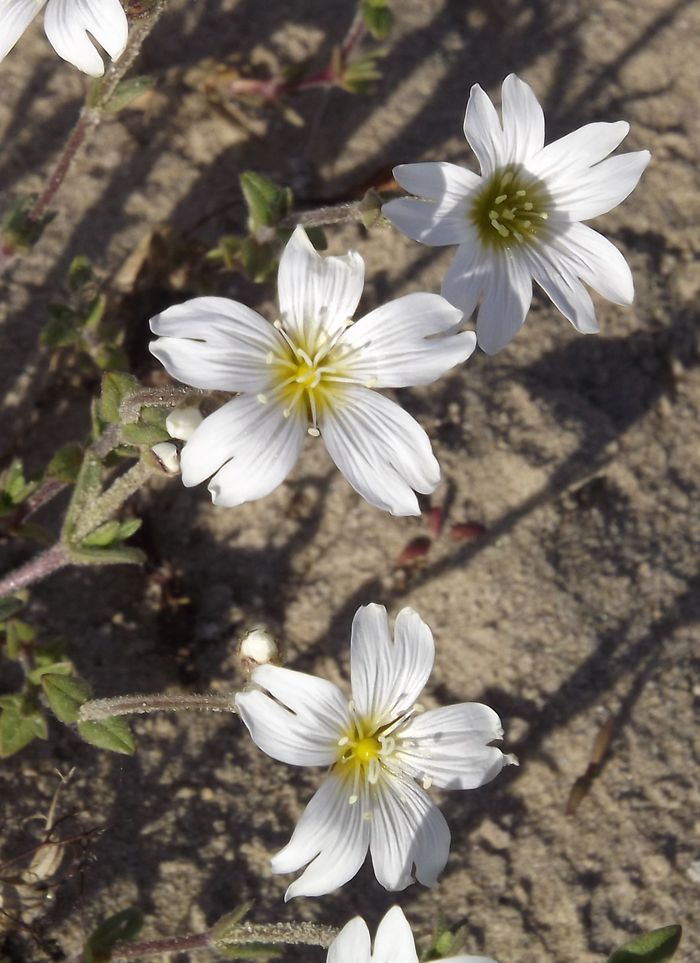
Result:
578,455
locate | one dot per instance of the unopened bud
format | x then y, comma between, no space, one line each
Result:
182,423
168,456
258,647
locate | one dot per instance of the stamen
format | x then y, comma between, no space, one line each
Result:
426,782
263,399
313,431
343,741
353,799
501,198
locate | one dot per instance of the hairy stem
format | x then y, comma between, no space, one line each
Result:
106,506
308,934
90,117
98,709
33,571
345,213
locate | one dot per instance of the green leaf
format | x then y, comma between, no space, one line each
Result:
62,329
113,734
259,261
103,535
127,91
80,273
121,927
94,313
9,606
20,232
656,946
227,924
50,667
116,386
65,694
65,464
143,434
378,18
14,483
267,203
20,723
18,634
115,554
248,951
88,487
129,528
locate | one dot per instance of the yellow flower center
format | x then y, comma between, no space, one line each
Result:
367,749
512,208
308,377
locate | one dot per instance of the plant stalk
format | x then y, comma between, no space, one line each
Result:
98,709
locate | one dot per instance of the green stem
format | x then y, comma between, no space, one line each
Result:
107,505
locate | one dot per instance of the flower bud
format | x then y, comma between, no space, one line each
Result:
258,647
182,422
168,456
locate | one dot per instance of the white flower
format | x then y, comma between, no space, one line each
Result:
377,745
312,370
392,944
67,24
521,218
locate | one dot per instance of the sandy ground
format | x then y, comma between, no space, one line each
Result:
579,456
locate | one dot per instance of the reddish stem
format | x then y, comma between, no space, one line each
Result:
34,570
88,118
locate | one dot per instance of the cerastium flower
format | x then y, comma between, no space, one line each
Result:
311,371
69,24
521,218
383,750
392,944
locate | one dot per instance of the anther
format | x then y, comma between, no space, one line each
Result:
426,782
501,198
343,741
503,231
507,178
313,431
508,214
527,206
521,194
353,799
263,399
269,357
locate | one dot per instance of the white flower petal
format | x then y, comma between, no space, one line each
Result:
387,678
317,294
552,273
467,278
483,130
597,262
262,460
451,746
409,837
67,23
578,150
437,181
401,345
507,298
380,449
589,193
15,17
351,945
332,836
523,121
429,221
214,343
301,719
263,444
394,941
